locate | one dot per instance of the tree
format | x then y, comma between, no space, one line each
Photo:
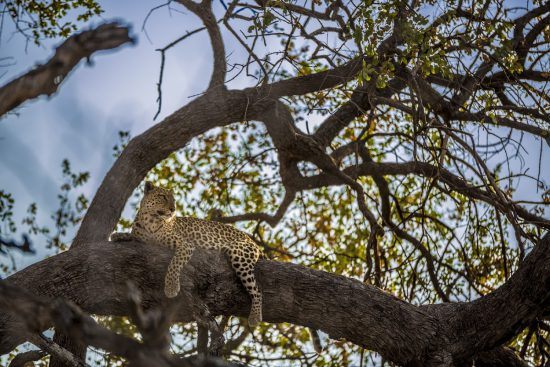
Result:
378,147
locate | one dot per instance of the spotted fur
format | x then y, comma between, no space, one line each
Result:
157,223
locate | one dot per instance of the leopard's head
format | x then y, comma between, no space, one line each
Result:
158,202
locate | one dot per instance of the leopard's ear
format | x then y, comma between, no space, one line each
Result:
148,186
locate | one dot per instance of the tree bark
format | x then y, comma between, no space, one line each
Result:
75,347
95,276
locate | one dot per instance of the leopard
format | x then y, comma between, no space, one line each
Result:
156,222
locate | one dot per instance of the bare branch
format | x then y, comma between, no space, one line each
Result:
424,169
162,62
55,350
272,220
45,79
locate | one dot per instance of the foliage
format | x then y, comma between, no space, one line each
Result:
6,213
54,234
41,19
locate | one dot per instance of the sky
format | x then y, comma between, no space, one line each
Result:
117,92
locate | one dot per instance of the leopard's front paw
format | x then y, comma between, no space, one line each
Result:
171,289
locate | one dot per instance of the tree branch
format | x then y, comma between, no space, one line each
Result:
204,113
63,356
204,11
423,169
361,314
525,292
34,312
22,359
45,79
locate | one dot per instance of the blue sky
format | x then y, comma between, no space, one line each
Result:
117,93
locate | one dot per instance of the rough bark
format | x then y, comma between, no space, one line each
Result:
23,359
74,346
95,276
430,335
35,313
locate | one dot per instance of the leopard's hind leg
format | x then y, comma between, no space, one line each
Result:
243,259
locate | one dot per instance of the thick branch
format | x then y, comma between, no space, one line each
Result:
360,313
512,306
45,79
499,357
313,82
34,312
